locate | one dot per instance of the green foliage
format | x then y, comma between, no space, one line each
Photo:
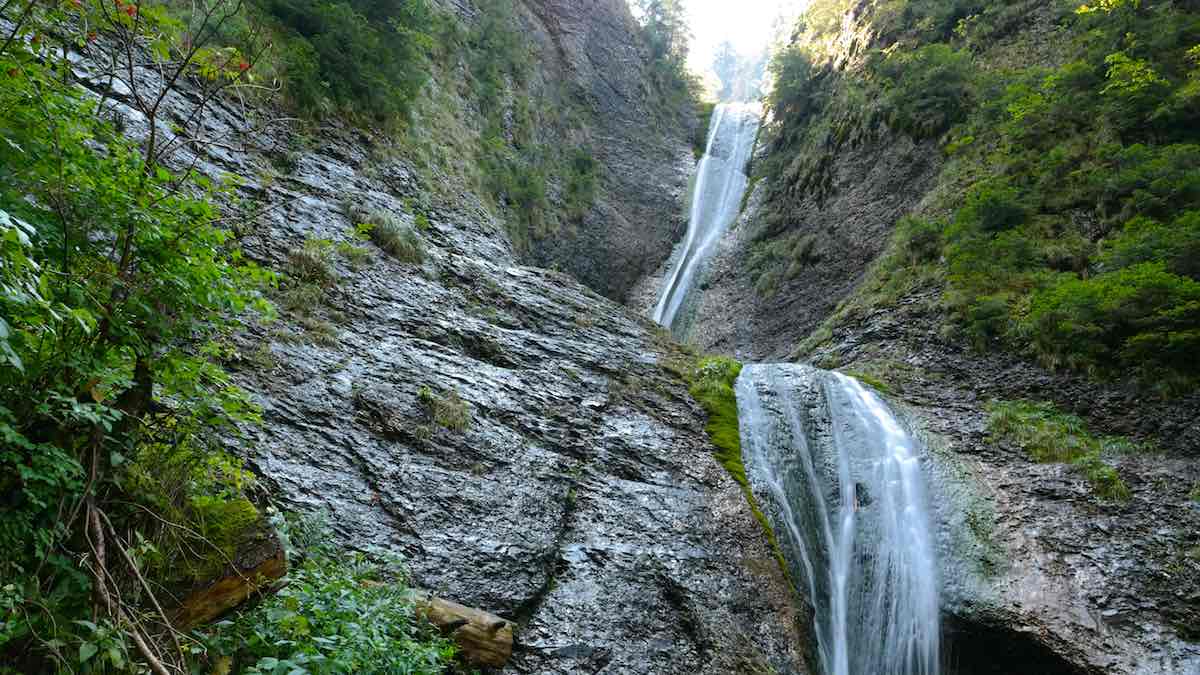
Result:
338,613
582,181
356,55
666,34
448,410
927,90
118,281
357,256
919,240
1074,189
396,238
1141,319
1052,436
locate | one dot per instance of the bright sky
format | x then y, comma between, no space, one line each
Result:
748,24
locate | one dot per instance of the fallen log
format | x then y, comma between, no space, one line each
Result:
483,639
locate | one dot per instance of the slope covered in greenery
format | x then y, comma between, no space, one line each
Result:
1066,219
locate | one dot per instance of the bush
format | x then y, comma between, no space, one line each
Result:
118,283
1140,320
448,411
359,56
919,239
312,263
928,90
338,613
991,208
1142,240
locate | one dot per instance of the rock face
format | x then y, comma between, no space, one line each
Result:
589,56
1039,574
871,187
528,445
1035,565
580,500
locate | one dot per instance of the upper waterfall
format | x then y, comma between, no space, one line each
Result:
716,198
843,479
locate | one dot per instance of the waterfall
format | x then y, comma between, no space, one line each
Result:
842,479
716,198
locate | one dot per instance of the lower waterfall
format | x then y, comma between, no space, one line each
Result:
842,479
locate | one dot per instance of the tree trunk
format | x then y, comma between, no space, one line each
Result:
483,639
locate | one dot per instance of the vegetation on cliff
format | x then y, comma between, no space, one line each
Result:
1049,435
1066,222
121,281
711,383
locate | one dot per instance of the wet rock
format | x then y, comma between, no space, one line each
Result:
574,493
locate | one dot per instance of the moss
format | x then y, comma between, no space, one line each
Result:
1049,435
869,380
224,524
711,382
1195,493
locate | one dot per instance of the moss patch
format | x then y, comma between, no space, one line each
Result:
711,383
224,524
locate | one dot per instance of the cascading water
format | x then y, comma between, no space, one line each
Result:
843,480
720,182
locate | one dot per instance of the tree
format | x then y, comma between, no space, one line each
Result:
666,29
727,66
117,273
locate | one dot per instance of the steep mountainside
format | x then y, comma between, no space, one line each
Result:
941,208
527,445
590,57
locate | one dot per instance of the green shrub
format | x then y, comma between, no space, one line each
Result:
928,89
357,256
582,181
396,238
1140,320
119,278
1067,183
358,55
1049,435
338,613
992,208
1142,240
919,239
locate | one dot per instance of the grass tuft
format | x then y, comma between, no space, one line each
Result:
397,239
1049,435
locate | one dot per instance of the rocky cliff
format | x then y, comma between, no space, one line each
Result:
527,445
590,56
1041,574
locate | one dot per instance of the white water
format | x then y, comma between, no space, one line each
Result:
720,182
845,478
